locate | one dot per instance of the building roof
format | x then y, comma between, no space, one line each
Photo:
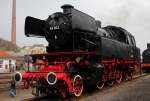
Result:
4,54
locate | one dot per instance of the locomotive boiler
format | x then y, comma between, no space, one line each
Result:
146,59
80,53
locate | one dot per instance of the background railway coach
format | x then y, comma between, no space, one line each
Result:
146,59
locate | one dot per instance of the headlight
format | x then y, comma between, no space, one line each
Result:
18,77
51,78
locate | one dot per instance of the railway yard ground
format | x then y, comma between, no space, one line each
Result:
137,89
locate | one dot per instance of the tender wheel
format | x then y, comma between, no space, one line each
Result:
77,85
100,85
110,83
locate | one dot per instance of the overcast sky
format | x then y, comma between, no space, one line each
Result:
133,15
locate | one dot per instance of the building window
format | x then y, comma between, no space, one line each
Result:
1,63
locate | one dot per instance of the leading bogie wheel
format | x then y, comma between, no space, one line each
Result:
77,85
25,84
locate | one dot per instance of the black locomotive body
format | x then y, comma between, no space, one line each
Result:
146,59
73,31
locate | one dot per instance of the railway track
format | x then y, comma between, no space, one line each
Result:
56,98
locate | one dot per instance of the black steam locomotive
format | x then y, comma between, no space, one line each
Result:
74,30
146,59
89,54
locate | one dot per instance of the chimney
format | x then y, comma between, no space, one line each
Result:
13,27
67,8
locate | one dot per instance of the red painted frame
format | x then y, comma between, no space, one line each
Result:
58,67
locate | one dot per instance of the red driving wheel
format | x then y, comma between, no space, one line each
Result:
77,85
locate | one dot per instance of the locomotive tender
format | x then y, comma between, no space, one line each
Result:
80,53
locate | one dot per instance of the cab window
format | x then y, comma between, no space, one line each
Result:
131,40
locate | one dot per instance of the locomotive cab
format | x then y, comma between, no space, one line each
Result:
116,41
